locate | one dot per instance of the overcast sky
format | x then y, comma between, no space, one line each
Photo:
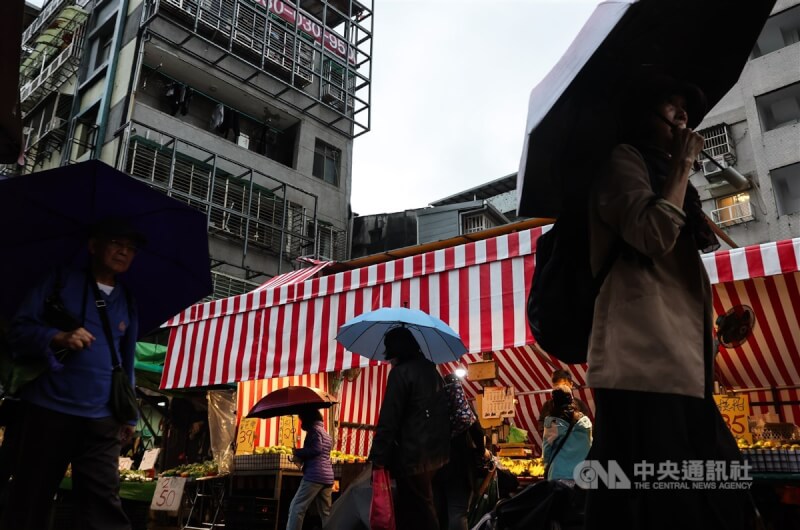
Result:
450,86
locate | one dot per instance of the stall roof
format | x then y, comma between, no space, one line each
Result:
480,289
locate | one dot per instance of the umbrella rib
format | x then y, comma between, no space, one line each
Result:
367,328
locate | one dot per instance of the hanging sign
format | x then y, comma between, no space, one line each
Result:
498,402
246,436
735,410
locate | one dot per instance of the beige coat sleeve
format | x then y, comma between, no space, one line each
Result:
627,204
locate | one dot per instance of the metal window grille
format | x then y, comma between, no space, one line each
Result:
717,141
476,223
226,285
237,208
740,211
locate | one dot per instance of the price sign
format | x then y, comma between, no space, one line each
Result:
169,492
286,431
246,437
735,410
125,463
149,459
498,402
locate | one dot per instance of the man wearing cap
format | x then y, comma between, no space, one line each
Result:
560,379
67,419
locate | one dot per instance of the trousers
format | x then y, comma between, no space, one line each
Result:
48,442
307,493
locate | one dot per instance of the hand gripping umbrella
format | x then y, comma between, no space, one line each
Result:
46,218
291,400
364,334
571,113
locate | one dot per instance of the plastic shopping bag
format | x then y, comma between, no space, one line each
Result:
381,512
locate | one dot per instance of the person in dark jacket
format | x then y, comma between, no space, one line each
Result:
413,432
456,482
66,417
317,483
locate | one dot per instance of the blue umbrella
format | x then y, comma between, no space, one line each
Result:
364,334
46,219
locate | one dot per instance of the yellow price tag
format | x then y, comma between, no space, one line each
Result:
735,410
287,431
245,439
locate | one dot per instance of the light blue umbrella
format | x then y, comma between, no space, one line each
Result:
364,334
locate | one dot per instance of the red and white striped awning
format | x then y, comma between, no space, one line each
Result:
478,288
766,278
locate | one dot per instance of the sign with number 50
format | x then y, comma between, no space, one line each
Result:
169,492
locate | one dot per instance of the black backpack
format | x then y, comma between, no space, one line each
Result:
563,290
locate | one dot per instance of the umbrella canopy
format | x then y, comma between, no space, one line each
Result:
47,216
364,334
291,400
571,113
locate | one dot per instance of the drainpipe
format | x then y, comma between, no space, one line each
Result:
105,105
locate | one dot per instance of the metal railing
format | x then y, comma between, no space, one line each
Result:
740,212
52,75
241,203
287,44
226,285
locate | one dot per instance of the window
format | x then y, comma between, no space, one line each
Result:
781,30
476,223
786,186
780,107
733,210
102,50
326,162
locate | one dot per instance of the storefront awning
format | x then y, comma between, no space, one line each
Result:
478,288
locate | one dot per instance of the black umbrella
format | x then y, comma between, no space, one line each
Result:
46,218
572,112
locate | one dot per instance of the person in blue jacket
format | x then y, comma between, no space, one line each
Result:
317,483
66,418
561,465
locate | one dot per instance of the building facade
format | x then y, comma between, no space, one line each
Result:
756,130
244,109
473,210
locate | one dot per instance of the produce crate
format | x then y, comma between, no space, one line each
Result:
773,460
263,461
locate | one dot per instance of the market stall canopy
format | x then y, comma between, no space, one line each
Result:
478,289
766,278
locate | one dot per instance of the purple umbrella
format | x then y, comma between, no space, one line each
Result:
290,401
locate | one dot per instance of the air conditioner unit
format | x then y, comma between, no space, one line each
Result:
711,169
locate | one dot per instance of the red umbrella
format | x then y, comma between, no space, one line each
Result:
290,401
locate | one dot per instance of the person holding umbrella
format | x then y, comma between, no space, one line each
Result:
67,418
317,483
651,352
413,433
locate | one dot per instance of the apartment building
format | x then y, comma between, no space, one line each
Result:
756,129
244,109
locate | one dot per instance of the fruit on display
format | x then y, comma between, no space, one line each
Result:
338,457
134,475
204,469
523,467
768,445
274,450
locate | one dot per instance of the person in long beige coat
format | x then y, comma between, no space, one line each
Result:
651,353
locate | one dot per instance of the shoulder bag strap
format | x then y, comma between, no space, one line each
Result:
560,445
101,308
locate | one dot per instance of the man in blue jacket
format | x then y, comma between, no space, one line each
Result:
66,414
